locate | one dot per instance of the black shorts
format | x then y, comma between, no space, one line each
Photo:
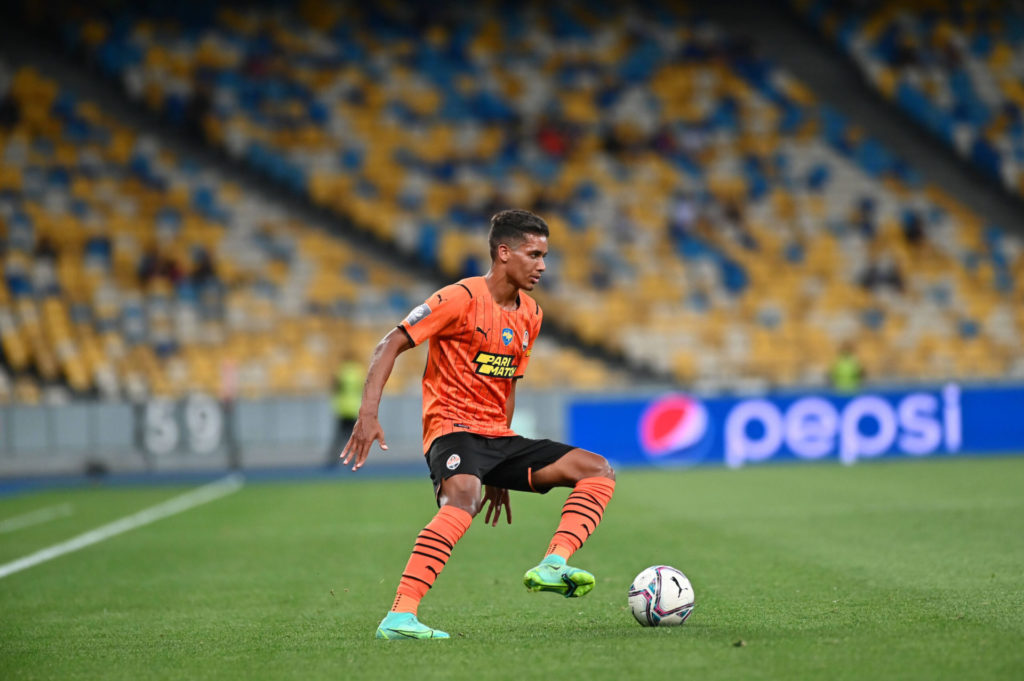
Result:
506,462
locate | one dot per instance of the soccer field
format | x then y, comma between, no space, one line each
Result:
908,570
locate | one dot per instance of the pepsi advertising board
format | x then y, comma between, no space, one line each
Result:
683,430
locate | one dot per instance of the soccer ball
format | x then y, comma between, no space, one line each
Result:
661,596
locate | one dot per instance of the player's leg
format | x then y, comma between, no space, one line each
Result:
593,482
458,496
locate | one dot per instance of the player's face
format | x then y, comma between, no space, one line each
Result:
526,261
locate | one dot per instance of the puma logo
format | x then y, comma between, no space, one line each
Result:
678,586
482,331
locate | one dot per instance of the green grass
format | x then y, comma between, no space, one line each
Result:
907,570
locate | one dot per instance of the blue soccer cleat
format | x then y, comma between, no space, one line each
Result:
403,625
554,575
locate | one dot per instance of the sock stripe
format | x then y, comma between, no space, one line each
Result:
440,537
596,508
580,494
591,518
440,558
435,544
584,499
575,536
406,575
433,547
582,510
442,561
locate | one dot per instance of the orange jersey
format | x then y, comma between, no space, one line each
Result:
476,350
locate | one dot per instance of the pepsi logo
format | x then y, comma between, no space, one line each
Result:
673,425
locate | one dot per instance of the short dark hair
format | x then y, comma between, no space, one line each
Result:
511,227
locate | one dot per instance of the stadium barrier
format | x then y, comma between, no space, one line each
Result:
202,433
636,429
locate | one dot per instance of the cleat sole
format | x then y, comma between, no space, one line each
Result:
573,585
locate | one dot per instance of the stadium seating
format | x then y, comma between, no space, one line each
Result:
710,219
956,68
129,272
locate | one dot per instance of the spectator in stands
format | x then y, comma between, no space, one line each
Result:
663,141
207,284
882,271
155,265
203,271
611,142
553,138
45,249
147,266
913,227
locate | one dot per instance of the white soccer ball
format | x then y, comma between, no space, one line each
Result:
661,596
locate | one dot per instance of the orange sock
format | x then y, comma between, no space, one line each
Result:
581,514
431,551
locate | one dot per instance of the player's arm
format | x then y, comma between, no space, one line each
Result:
367,428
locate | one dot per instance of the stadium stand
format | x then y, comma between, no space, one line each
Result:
956,68
130,272
710,219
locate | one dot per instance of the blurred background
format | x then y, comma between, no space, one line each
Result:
778,229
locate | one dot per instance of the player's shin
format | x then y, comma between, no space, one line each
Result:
430,553
581,514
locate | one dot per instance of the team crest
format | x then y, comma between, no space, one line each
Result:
453,462
506,336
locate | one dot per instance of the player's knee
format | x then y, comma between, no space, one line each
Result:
604,469
594,466
609,471
469,506
462,492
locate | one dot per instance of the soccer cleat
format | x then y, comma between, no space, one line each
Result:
402,625
554,575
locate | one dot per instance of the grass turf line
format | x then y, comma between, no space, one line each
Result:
904,570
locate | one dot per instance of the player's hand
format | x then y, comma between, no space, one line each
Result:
494,499
365,432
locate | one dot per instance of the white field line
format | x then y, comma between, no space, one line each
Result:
188,500
36,517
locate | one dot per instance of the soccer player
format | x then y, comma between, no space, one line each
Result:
481,331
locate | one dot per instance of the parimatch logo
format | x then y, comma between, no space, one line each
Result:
499,366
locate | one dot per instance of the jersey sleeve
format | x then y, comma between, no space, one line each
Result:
436,313
534,332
